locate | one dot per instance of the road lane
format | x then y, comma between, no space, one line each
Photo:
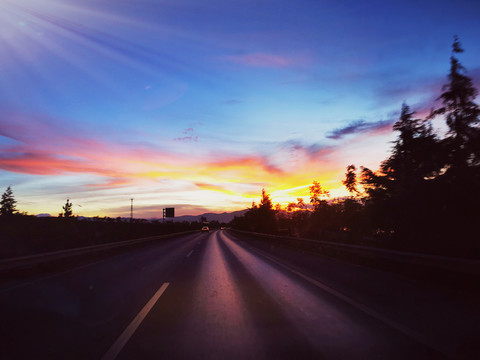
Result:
224,301
227,302
443,316
79,313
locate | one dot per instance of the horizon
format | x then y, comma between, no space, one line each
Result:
200,106
140,218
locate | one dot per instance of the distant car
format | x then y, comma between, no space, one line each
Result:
205,229
222,228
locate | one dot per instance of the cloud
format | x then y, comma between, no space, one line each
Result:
213,187
47,146
246,165
261,60
423,90
38,163
164,96
113,182
360,126
190,136
293,155
102,168
313,150
187,138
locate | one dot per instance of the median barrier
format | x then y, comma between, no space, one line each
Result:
50,260
376,256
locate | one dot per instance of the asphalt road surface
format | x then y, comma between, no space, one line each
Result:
215,296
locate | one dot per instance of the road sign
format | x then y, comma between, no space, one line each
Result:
169,212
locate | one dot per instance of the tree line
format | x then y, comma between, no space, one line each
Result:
425,196
22,234
8,206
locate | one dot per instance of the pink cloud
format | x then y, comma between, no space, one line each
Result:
246,163
46,146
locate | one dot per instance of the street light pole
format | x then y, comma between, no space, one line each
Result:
131,209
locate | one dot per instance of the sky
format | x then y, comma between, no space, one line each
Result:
198,105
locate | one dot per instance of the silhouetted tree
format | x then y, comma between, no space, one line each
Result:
259,218
266,214
460,184
416,154
461,113
67,209
425,196
7,204
352,218
316,194
301,203
323,218
291,206
428,181
265,201
350,181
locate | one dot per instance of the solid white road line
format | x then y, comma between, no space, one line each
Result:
130,330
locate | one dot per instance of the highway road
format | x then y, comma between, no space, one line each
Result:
216,296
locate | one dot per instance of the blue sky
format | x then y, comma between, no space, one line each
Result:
198,105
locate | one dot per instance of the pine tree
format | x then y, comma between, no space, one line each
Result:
265,202
459,186
461,113
416,154
7,204
67,209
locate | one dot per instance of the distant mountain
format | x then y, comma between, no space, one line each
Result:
43,215
223,217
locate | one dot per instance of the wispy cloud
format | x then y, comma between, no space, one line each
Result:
426,89
247,164
262,60
47,146
213,187
360,126
189,136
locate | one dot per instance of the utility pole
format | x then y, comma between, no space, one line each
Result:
131,209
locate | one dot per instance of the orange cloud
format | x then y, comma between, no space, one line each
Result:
213,187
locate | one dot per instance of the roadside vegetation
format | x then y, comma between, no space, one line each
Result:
424,197
22,234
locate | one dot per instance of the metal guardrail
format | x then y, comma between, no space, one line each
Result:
459,265
30,261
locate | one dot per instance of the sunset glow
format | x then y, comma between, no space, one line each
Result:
200,106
